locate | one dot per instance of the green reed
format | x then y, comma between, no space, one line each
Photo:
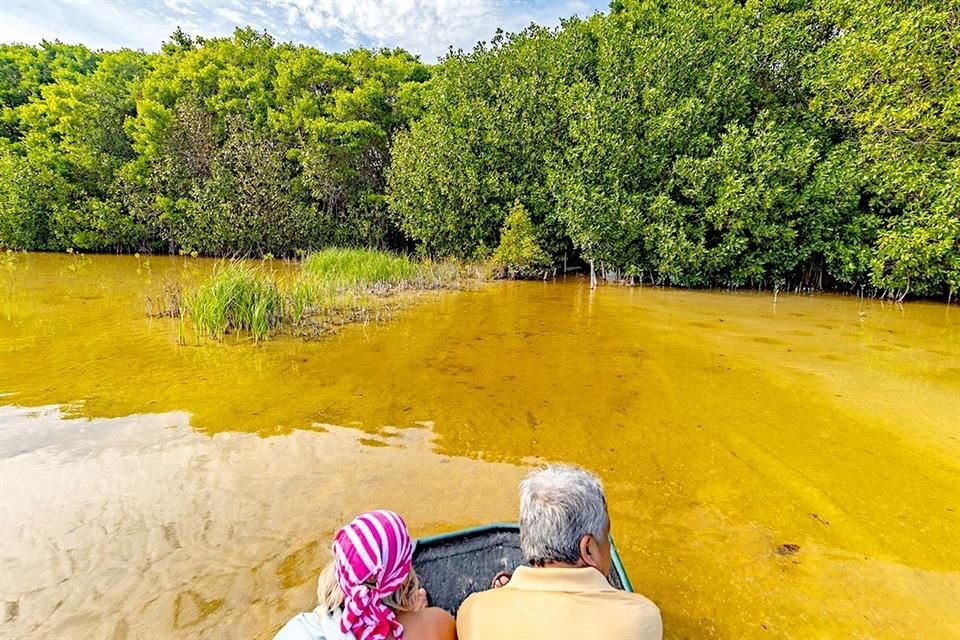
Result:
356,268
330,288
238,297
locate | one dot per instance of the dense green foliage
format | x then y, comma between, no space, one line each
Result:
811,143
704,142
519,253
217,146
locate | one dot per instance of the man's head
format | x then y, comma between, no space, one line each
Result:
563,519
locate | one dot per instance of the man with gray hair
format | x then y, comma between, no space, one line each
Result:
563,593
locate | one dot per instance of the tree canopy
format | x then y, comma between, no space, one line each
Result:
810,143
218,146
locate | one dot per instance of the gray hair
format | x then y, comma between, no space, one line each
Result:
560,504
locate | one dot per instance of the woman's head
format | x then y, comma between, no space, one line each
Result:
330,595
372,569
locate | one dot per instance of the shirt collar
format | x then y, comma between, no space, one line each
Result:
558,579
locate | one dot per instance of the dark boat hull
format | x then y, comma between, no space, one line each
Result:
453,565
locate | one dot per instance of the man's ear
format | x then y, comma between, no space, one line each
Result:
589,552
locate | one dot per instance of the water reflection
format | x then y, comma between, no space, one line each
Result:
725,427
139,527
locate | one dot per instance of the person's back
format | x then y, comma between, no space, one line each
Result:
429,623
551,603
564,593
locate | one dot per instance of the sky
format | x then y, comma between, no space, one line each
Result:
423,27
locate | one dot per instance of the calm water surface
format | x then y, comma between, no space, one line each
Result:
154,490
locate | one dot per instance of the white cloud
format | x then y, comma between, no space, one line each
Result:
427,27
98,26
424,27
179,6
230,15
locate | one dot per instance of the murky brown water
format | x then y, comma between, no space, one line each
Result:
151,490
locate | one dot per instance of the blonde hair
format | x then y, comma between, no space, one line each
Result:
330,596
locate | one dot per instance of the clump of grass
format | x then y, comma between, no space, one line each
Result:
356,268
332,288
302,297
238,297
168,304
437,275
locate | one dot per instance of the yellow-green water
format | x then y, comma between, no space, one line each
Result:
153,490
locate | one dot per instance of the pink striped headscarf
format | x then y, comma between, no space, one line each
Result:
373,558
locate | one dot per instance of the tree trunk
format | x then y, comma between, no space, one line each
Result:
593,276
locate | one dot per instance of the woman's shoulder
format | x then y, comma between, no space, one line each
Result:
432,623
313,625
303,626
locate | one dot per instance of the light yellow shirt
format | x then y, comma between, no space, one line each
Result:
556,604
